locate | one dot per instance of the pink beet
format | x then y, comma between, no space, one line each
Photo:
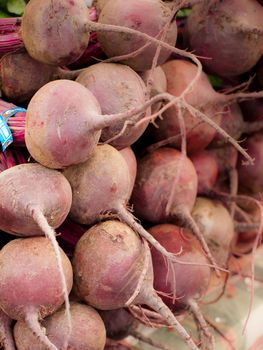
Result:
179,74
21,76
132,15
182,287
105,176
216,224
207,171
88,330
250,178
165,190
45,23
34,280
117,272
35,200
131,161
229,33
6,334
118,89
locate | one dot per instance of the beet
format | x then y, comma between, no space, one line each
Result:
250,179
54,32
113,269
131,161
118,323
6,334
207,171
35,200
229,32
21,76
88,330
189,281
183,286
132,15
165,190
118,89
217,226
112,194
179,74
28,268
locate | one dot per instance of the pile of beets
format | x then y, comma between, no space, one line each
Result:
131,166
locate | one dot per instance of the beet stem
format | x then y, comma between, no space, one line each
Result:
147,259
242,96
147,340
157,304
40,219
32,322
98,27
187,218
180,163
6,336
233,179
195,309
204,118
128,218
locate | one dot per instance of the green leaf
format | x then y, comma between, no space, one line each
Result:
183,13
3,4
216,81
4,14
16,6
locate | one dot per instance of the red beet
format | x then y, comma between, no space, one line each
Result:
189,281
30,284
183,285
131,161
133,15
250,178
88,330
105,176
217,226
118,89
21,76
229,33
35,200
179,74
165,190
6,334
113,269
207,171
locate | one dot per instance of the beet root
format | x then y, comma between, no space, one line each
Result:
117,88
207,171
221,32
250,179
87,184
60,131
117,272
38,291
37,200
179,74
131,161
183,286
30,188
21,76
216,223
165,190
118,323
88,330
63,40
6,335
133,16
186,282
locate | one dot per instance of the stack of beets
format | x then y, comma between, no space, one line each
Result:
139,178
